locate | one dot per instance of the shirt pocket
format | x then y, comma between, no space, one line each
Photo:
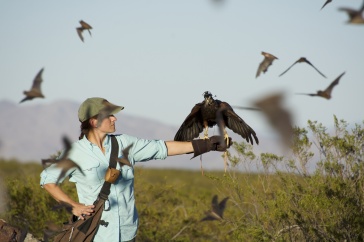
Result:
127,173
92,173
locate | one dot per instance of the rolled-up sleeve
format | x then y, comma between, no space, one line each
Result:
143,149
51,175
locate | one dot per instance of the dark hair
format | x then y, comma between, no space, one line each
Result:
85,127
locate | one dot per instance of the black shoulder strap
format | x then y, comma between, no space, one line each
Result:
114,152
105,190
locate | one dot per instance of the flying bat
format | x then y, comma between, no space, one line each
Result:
203,116
217,209
124,159
327,2
35,91
217,2
277,116
64,163
300,60
246,108
267,61
355,16
64,205
67,147
221,125
327,92
84,26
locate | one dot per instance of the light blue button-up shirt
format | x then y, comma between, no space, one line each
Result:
120,213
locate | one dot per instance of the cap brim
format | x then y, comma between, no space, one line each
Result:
117,109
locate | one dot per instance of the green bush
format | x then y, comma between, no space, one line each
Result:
313,193
288,202
28,205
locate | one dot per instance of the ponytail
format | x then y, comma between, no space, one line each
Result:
85,127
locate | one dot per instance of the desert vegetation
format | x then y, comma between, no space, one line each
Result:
314,192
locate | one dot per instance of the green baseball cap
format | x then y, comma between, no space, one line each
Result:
94,105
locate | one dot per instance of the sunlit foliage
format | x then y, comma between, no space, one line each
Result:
314,192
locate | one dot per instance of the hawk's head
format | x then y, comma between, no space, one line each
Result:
208,97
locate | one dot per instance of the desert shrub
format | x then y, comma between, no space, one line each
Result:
27,204
171,206
315,193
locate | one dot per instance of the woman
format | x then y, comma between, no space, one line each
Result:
92,152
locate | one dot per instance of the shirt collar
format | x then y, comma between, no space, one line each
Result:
92,146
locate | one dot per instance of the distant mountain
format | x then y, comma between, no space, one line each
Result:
30,132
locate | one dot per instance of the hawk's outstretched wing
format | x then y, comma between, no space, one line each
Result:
192,126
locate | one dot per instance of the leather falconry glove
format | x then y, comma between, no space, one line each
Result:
201,146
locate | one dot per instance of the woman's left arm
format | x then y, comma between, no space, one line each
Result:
179,147
197,146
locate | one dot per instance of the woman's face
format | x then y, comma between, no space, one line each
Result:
108,125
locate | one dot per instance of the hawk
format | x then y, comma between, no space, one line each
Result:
204,115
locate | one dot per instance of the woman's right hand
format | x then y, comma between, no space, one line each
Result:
81,210
77,209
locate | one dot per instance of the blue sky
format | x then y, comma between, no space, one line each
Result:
156,58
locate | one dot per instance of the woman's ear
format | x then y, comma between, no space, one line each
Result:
93,122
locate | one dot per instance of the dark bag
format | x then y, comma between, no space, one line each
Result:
78,230
10,233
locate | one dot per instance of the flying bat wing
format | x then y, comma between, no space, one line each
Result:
79,32
308,62
124,159
38,81
327,2
288,68
333,84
